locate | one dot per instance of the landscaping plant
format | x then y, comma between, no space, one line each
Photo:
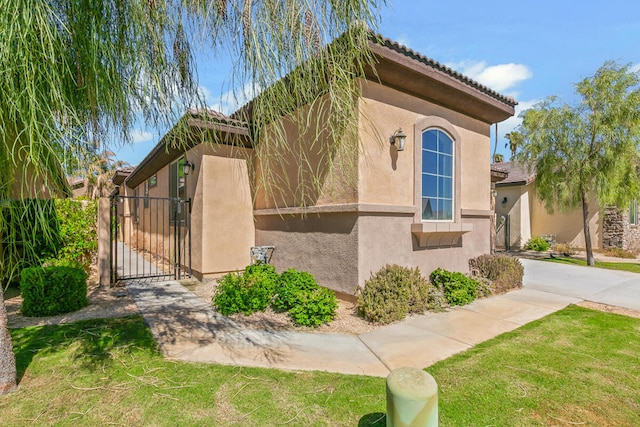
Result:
458,288
248,292
52,290
505,272
395,291
259,287
538,244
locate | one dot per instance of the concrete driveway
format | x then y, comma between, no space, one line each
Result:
619,288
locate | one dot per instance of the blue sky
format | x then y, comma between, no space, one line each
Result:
525,49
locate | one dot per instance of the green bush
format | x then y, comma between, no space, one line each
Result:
393,292
537,243
248,292
78,231
313,307
290,285
458,288
53,290
505,272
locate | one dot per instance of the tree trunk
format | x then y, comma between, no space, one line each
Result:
7,358
587,232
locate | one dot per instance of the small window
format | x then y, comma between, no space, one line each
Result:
146,194
153,181
136,206
633,213
437,176
177,189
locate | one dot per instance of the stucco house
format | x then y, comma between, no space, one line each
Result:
429,205
521,215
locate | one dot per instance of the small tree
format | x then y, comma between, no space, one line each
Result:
587,152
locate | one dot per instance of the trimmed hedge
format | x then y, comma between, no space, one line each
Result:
53,290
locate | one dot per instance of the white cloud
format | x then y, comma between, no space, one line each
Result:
499,77
139,135
635,68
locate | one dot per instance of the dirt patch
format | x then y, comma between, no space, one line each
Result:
610,309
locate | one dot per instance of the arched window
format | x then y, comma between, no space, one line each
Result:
437,176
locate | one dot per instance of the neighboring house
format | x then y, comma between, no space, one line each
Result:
427,206
525,216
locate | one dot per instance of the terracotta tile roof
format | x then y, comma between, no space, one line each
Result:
518,175
390,44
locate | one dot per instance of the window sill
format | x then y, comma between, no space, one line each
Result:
436,234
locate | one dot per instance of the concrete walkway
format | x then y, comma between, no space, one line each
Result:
188,329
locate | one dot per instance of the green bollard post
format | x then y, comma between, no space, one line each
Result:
412,399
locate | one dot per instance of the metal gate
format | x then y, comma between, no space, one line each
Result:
150,238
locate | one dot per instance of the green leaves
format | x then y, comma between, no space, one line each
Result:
587,152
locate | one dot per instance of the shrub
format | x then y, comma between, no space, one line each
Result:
458,289
537,243
505,272
566,249
78,231
313,307
290,285
393,292
248,292
307,303
53,290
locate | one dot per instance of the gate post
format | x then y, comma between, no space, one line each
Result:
104,241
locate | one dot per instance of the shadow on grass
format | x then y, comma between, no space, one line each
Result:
95,340
374,419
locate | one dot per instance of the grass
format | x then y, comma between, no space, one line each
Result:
577,365
621,266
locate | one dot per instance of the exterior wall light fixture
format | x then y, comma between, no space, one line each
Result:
187,167
398,139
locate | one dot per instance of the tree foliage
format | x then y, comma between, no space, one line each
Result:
73,71
587,152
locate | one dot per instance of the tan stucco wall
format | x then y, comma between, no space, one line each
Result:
386,176
567,226
221,211
518,210
529,218
306,171
227,226
352,237
325,245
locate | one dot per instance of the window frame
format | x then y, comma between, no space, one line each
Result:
176,172
421,126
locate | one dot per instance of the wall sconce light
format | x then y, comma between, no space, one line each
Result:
187,167
398,139
504,201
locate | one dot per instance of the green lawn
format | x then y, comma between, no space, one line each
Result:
577,366
622,266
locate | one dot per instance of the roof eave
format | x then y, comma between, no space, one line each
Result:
408,72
